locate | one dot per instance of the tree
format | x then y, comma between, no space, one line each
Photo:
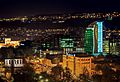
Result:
1,80
106,75
67,75
57,72
26,74
96,78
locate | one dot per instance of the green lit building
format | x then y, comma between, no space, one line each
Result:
89,40
93,43
66,43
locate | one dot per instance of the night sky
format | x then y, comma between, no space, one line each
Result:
10,8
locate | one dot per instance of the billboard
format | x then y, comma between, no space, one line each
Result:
66,43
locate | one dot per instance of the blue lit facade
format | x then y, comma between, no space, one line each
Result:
100,37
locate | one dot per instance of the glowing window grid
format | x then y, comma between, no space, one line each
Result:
100,36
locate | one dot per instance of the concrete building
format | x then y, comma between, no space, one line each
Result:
78,65
8,42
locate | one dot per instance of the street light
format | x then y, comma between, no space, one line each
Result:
46,80
40,77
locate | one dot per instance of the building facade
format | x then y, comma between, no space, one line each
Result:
78,65
94,38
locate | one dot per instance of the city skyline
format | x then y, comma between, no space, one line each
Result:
29,7
59,41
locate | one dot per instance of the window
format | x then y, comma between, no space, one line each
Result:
17,61
9,61
21,61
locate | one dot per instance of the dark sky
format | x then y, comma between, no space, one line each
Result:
32,7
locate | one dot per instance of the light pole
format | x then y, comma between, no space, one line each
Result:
74,65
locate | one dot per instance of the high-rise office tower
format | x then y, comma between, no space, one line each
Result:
89,40
94,38
100,37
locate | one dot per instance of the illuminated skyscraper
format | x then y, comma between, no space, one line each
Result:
94,38
100,36
89,40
